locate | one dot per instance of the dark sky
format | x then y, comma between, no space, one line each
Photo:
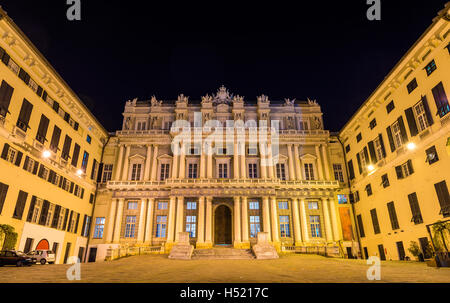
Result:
324,50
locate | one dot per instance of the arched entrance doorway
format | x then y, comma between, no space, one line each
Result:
222,225
43,245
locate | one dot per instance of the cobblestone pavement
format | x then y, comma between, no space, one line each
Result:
287,269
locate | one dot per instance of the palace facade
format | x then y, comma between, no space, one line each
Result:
398,151
223,191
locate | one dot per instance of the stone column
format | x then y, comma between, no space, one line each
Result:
210,162
304,220
176,155
180,218
125,163
298,170
244,220
334,221
295,216
202,164
236,160
118,226
119,164
112,212
266,217
263,157
155,163
291,163
182,170
237,222
274,213
201,220
142,220
171,223
326,216
271,166
147,163
243,164
149,222
208,222
319,163
325,161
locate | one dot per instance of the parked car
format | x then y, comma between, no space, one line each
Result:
42,256
12,257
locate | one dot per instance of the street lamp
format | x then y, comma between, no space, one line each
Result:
46,154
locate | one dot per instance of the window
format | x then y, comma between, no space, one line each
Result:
24,115
281,171
358,137
20,205
252,174
304,125
432,155
130,226
351,170
285,232
11,155
363,160
162,205
107,173
373,123
412,85
161,225
385,181
393,215
357,196
66,149
415,209
314,221
191,225
132,205
443,197
141,125
378,146
76,154
255,226
313,205
3,192
375,223
361,226
252,151
6,92
55,139
164,171
397,135
338,173
253,205
404,170
347,149
88,139
421,117
309,171
192,171
62,215
50,212
342,199
42,129
99,227
441,100
431,67
86,224
223,170
283,205
369,190
390,107
85,161
136,172
191,205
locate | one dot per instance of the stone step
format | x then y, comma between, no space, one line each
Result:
222,253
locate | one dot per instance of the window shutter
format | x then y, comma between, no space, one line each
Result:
411,122
39,91
398,170
361,227
410,167
414,205
376,225
25,112
6,92
25,164
391,139
439,96
75,231
94,164
41,171
56,216
83,226
76,154
20,205
72,185
100,173
383,149
6,58
42,129
359,163
351,170
24,76
393,215
65,219
44,212
31,210
66,148
443,196
373,155
352,198
5,151
70,220
55,137
3,192
401,124
55,106
35,168
18,158
82,193
427,110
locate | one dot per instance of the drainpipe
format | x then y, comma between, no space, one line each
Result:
95,200
350,190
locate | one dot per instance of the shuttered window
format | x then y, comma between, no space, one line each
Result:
393,216
415,209
3,192
441,100
360,226
44,213
84,162
76,154
351,170
20,205
42,130
55,139
412,85
24,115
66,148
376,224
6,92
443,197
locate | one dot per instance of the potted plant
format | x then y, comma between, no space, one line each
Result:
415,251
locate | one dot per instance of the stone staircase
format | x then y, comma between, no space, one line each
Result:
222,254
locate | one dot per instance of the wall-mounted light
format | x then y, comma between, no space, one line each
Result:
371,167
46,154
79,173
411,146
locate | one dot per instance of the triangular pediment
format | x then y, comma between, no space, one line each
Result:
137,157
165,156
308,157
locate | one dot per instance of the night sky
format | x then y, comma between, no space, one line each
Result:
326,51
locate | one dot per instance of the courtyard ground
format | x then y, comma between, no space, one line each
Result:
287,269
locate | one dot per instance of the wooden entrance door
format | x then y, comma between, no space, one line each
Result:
222,225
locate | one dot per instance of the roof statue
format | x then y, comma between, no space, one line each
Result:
222,96
155,102
289,102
